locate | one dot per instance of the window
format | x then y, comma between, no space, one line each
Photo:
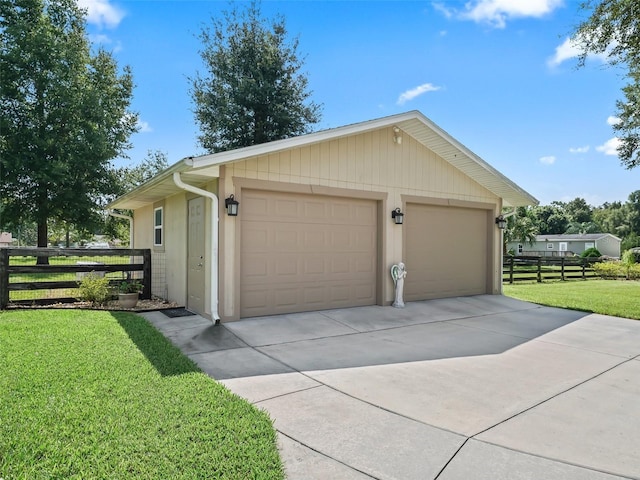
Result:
157,226
549,246
588,245
520,247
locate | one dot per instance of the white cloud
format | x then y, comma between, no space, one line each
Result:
143,127
105,41
584,149
610,147
443,9
548,160
565,51
415,92
570,49
497,12
611,120
102,13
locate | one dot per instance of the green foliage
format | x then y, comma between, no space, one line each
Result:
253,91
63,116
609,270
521,227
613,29
130,286
95,289
592,252
105,395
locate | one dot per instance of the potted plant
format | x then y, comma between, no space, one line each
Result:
128,293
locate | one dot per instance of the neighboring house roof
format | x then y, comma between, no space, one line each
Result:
568,237
199,170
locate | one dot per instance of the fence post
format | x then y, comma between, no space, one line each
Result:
562,268
146,274
4,278
511,261
584,264
539,269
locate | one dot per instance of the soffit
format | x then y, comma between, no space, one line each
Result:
162,186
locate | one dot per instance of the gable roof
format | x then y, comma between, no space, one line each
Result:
575,237
413,123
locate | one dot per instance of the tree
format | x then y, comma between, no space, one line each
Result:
129,178
253,92
63,116
550,219
521,227
613,29
578,211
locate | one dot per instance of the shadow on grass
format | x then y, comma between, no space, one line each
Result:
166,358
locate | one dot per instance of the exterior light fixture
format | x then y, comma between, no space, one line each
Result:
231,205
501,222
397,216
397,139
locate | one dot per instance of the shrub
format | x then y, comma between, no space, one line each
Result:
590,252
609,270
94,289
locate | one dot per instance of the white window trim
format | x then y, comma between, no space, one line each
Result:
158,227
549,246
520,248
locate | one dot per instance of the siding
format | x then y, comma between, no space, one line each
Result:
369,162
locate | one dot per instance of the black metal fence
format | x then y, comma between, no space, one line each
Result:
534,268
23,279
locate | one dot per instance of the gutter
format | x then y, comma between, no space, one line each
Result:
177,179
126,217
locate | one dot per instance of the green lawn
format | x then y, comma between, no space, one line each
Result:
608,297
86,394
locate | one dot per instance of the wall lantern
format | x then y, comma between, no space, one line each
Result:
231,205
501,222
397,138
398,216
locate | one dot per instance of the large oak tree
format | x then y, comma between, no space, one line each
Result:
64,115
613,29
253,91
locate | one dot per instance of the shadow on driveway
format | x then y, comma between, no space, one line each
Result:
361,336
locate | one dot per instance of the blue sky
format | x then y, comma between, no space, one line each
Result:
498,75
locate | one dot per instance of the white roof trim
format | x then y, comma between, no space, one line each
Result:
413,123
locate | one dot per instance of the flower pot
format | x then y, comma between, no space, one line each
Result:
128,300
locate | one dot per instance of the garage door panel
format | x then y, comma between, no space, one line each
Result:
446,251
306,253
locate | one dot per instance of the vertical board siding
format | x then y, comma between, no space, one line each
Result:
369,161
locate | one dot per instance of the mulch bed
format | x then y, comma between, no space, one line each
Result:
142,306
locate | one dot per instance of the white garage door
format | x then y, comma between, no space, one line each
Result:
306,252
446,251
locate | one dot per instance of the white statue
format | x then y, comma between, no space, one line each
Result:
398,273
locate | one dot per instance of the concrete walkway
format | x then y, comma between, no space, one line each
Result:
483,387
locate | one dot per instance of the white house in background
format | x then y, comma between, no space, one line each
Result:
568,245
317,224
5,239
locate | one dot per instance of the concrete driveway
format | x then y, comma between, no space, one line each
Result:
483,387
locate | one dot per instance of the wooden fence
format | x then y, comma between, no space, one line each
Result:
526,268
28,275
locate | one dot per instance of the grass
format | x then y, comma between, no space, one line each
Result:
618,298
87,395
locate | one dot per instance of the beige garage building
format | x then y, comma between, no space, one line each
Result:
314,228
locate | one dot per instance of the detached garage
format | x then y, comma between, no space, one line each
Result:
314,229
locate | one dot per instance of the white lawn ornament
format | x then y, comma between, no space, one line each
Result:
398,273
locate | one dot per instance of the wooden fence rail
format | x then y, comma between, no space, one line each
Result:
528,268
9,269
